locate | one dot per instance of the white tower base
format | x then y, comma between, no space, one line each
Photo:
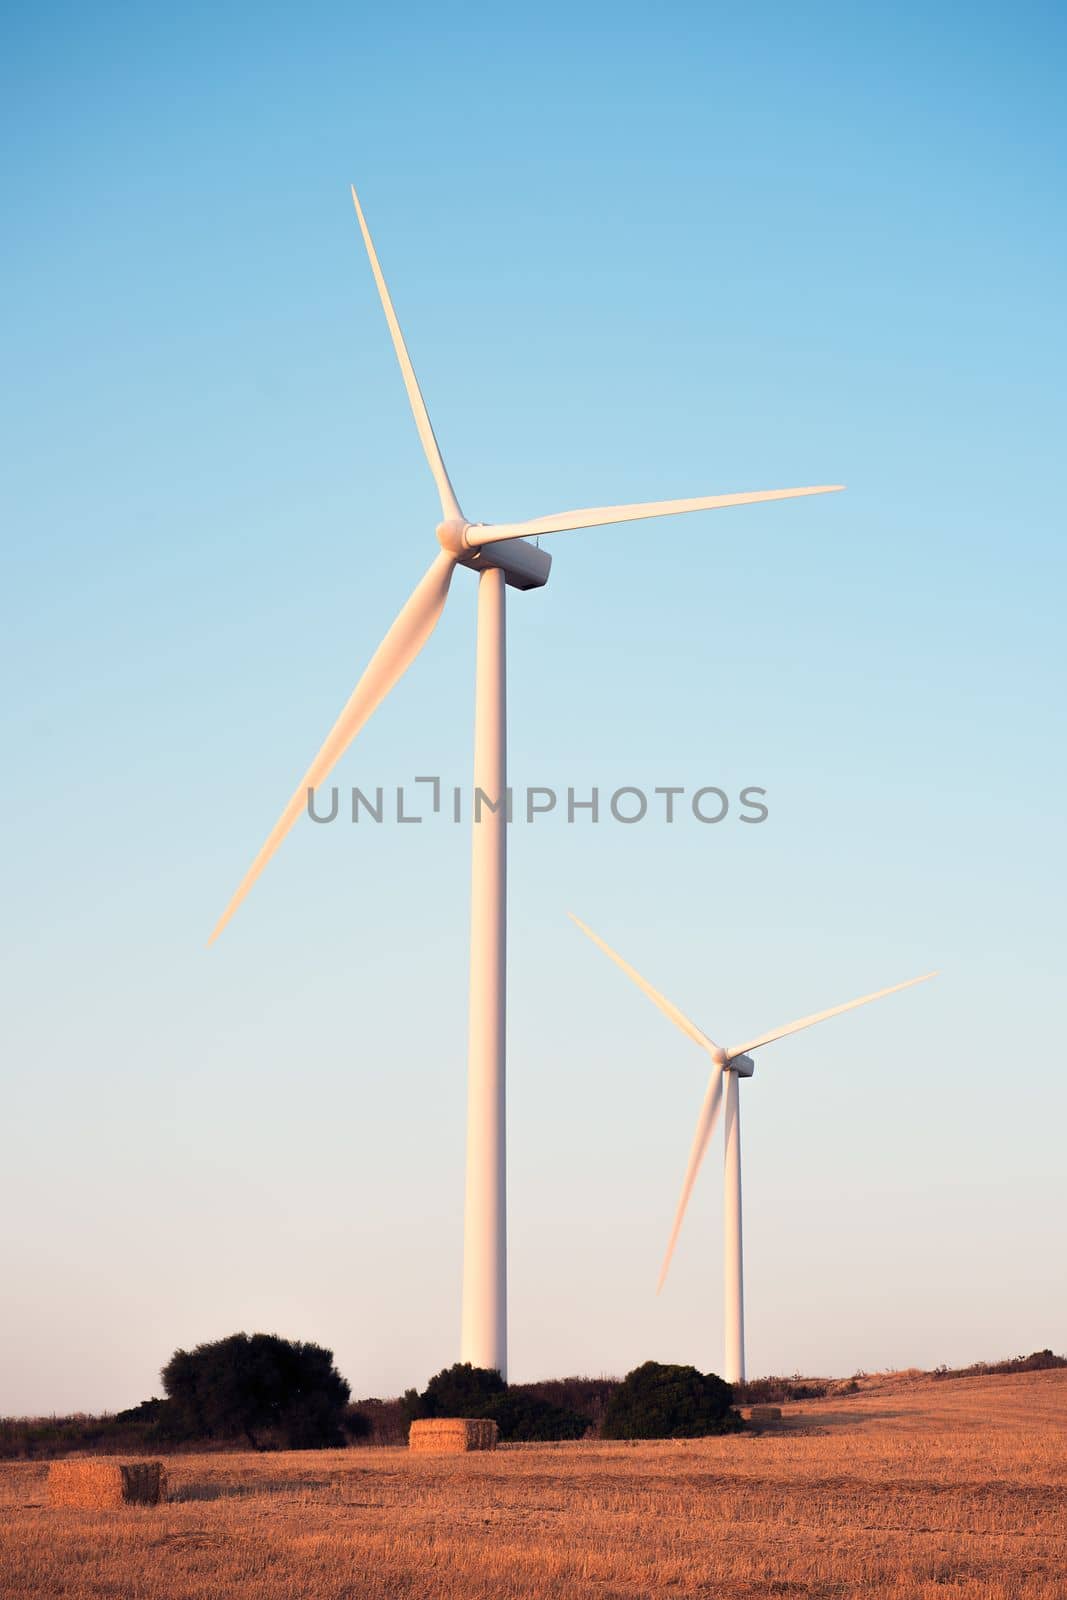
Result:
733,1285
484,1333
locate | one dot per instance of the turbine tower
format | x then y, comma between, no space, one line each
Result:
500,554
731,1063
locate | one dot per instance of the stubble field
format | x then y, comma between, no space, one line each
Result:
915,1491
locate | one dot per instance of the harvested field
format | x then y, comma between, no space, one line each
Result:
922,1491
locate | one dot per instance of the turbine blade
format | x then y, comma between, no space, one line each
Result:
679,1018
597,516
390,661
709,1115
449,503
821,1016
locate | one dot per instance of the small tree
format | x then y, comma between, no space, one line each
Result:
659,1402
258,1385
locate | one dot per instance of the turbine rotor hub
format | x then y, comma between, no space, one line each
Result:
524,565
450,535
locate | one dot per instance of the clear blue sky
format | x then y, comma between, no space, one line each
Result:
637,253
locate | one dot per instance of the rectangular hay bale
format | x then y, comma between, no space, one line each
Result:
454,1435
106,1482
766,1414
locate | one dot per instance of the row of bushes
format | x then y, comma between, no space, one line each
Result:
772,1391
273,1393
769,1391
652,1402
386,1422
467,1391
31,1438
1037,1361
234,1402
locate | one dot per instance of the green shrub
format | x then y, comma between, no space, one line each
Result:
660,1402
264,1388
457,1391
356,1424
466,1391
524,1417
587,1397
772,1391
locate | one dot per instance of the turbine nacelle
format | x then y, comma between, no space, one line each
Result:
744,1066
524,565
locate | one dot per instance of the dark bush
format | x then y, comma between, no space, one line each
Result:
659,1402
357,1425
588,1397
772,1391
150,1426
458,1391
148,1411
522,1416
263,1388
387,1420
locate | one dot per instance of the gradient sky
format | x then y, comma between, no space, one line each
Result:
637,253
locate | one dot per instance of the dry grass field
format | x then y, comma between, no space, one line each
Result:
915,1490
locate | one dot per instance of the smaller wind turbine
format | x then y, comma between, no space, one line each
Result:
733,1063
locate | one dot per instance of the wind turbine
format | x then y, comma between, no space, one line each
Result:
732,1063
501,555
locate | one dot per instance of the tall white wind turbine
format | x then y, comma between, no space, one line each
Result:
733,1063
501,555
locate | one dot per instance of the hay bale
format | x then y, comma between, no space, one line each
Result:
454,1435
765,1414
106,1482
